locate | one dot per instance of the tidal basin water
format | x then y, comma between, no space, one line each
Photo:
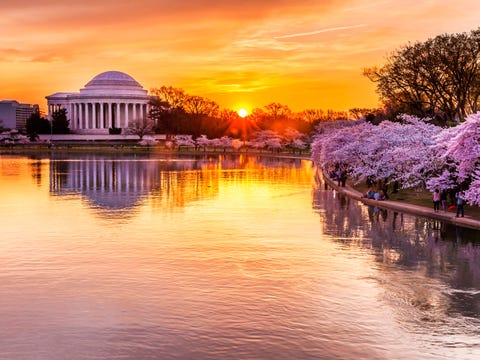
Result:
222,257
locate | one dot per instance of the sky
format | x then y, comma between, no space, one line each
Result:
306,54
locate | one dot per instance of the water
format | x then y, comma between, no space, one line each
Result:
125,257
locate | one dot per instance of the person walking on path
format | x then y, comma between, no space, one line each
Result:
339,176
460,202
443,200
436,200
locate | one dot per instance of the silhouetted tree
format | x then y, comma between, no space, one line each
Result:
36,124
438,78
60,122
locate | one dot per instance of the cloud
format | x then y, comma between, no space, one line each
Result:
316,32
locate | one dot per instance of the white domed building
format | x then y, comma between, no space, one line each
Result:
111,100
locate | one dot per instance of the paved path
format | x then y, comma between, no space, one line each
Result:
450,217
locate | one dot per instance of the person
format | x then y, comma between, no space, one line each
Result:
385,191
369,194
443,200
344,178
436,200
339,177
460,201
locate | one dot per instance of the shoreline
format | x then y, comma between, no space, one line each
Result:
417,210
109,149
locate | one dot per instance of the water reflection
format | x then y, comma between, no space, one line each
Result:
439,283
222,257
122,183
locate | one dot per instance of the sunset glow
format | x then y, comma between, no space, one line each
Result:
304,54
242,113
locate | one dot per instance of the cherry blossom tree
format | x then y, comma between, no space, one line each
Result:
294,139
184,140
459,151
266,139
203,142
411,151
148,141
393,151
224,142
237,143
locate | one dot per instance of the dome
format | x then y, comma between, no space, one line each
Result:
114,82
113,78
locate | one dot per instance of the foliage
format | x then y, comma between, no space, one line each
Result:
175,112
148,141
184,140
60,123
438,78
411,151
36,124
460,153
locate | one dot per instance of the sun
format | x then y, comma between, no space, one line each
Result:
242,113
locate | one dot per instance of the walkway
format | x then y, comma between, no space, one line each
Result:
424,211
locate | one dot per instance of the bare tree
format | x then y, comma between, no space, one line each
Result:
198,106
174,98
141,127
437,78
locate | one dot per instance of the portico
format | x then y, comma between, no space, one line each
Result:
110,100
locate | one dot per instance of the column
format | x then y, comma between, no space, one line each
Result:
90,116
86,116
98,125
119,115
81,116
125,115
73,118
94,114
115,115
69,116
102,120
109,114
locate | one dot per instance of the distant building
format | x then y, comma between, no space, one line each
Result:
14,115
110,100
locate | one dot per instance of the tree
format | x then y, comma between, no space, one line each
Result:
312,115
174,98
439,78
199,106
458,149
60,123
36,124
184,140
268,139
397,151
141,127
203,142
294,139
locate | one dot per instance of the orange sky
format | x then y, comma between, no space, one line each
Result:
301,53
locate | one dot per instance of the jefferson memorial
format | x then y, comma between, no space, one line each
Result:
111,99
